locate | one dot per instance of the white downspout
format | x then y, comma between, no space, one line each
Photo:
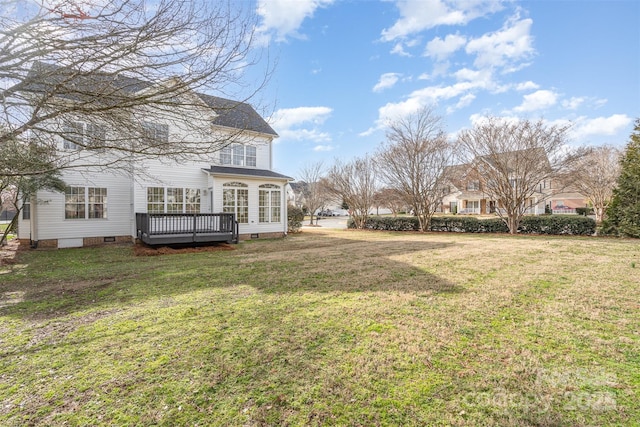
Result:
285,219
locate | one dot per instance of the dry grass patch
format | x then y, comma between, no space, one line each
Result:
327,327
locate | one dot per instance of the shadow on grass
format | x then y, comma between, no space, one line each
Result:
57,283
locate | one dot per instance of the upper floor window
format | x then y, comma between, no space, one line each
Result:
473,185
85,202
156,132
238,155
78,135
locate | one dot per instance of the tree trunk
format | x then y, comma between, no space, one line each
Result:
513,223
599,211
10,227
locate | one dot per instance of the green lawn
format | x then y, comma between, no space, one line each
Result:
326,328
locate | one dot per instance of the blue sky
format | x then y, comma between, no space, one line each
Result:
345,67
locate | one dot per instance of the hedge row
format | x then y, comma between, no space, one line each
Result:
544,224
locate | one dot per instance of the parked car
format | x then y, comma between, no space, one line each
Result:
327,212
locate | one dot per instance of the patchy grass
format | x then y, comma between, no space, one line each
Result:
326,327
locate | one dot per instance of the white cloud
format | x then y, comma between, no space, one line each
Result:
504,48
320,148
440,49
420,15
427,96
386,81
313,135
478,119
398,49
529,85
612,125
573,103
580,128
301,123
290,117
284,17
467,74
538,100
464,101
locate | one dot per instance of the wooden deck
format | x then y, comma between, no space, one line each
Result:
168,229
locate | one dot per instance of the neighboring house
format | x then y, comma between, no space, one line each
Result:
232,194
295,193
465,194
566,202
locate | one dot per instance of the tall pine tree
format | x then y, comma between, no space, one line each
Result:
623,214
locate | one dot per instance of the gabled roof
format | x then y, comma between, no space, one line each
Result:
113,88
238,115
456,172
512,157
246,172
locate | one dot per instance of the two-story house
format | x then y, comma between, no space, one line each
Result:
466,191
226,195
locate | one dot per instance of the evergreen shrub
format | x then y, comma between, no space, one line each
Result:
544,224
295,216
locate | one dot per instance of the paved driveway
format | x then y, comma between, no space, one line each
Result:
329,222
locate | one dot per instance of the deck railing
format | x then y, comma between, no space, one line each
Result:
464,211
564,211
166,228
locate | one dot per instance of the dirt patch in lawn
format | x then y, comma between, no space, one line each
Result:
143,250
8,252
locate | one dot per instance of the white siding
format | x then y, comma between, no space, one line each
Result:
51,223
171,175
254,225
24,227
263,160
127,194
263,153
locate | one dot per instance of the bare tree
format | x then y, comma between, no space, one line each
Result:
313,191
355,183
392,199
117,65
595,175
514,158
16,186
414,160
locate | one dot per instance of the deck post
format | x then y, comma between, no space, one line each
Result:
195,219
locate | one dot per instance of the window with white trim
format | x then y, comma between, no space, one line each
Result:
473,185
85,202
79,135
269,203
26,210
155,132
173,200
155,200
97,202
235,199
191,200
238,155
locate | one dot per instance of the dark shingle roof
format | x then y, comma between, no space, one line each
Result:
111,88
254,173
238,115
